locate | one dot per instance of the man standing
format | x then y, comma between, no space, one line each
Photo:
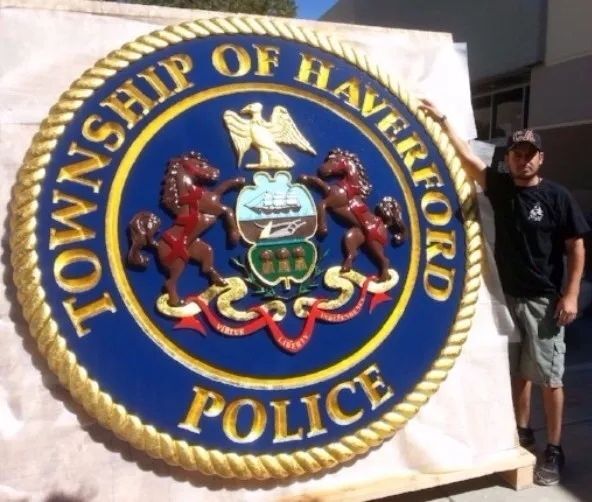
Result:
536,223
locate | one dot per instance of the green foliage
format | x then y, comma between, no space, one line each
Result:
257,287
285,8
270,292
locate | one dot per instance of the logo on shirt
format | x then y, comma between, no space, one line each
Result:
232,244
536,213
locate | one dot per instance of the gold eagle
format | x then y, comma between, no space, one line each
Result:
254,131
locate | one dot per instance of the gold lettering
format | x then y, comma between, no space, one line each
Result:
66,216
230,420
411,149
314,71
75,172
350,91
267,59
205,402
88,311
77,284
136,99
150,76
177,67
440,242
431,199
220,63
281,423
335,412
441,293
428,175
392,124
102,133
368,106
314,416
374,387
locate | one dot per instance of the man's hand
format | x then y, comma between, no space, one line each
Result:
566,309
431,109
473,165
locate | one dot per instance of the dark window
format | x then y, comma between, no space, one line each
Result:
501,106
482,110
509,112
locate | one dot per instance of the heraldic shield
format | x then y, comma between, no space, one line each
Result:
278,218
245,249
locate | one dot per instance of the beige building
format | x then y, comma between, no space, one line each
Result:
530,63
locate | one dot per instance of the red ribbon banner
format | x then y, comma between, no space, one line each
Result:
265,319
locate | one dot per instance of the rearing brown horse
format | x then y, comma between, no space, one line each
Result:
347,200
195,209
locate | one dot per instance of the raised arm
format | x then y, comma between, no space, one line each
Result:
473,165
567,307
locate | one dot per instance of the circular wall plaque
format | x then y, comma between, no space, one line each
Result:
243,249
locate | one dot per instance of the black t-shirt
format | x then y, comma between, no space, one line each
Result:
531,226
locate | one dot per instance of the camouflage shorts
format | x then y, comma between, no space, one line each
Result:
540,356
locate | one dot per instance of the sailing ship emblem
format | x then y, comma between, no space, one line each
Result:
278,217
275,203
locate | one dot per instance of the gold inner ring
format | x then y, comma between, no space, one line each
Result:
136,310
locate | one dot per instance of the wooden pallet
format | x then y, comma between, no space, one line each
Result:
515,467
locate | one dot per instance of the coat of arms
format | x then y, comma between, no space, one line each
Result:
278,218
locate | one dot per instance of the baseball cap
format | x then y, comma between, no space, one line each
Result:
525,136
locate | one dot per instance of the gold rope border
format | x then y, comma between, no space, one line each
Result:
27,275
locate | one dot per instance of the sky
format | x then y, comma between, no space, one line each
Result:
313,9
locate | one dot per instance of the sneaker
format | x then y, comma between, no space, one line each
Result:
547,471
526,438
